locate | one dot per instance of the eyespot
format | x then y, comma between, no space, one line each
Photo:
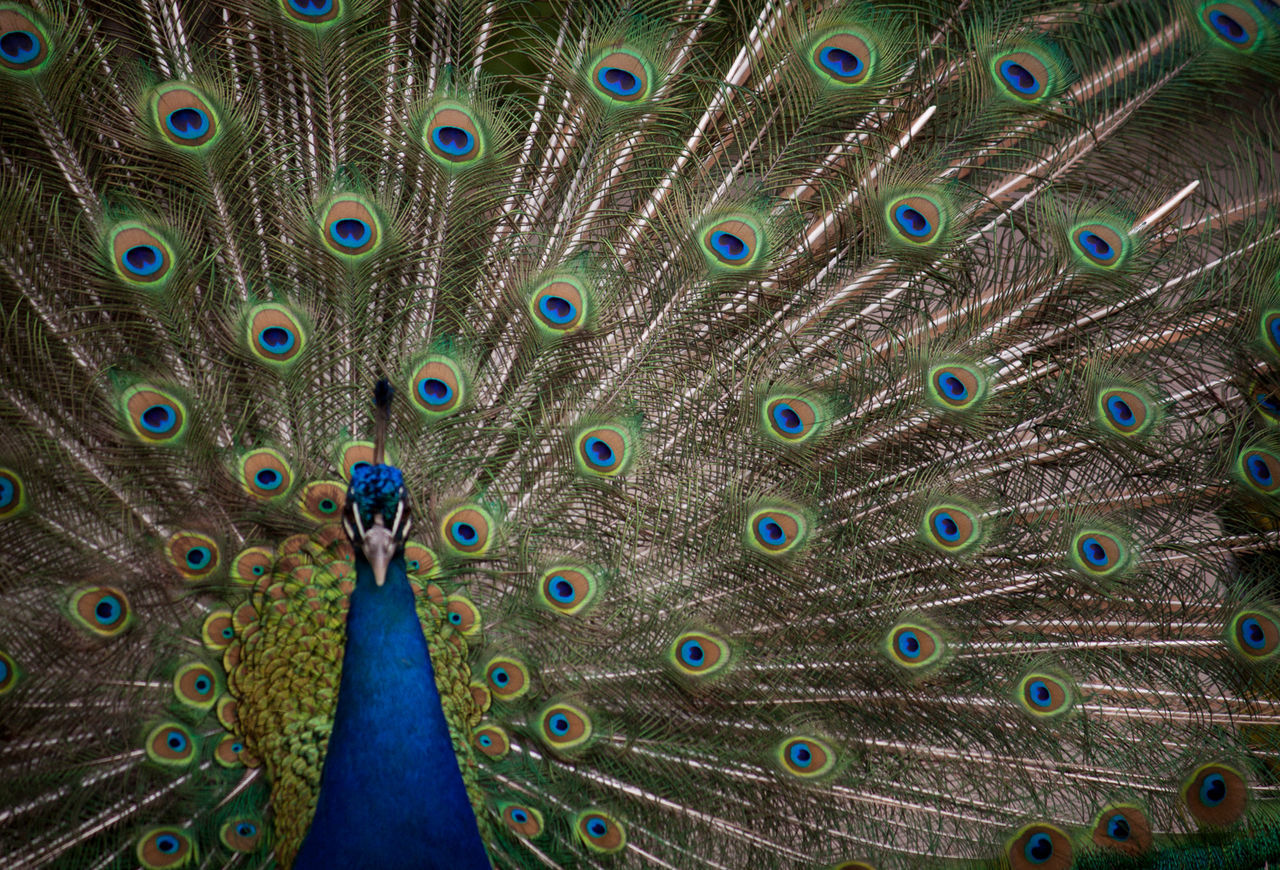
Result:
241,834
951,529
1267,402
733,242
1259,468
1039,846
171,745
154,415
1216,795
843,59
1254,634
13,494
567,589
621,78
217,631
463,615
916,220
356,453
24,45
1099,245
956,387
914,646
439,388
1044,695
274,334
227,752
522,820
1231,25
161,848
790,419
466,531
776,531
251,565
9,672
564,727
139,256
452,136
600,832
604,451
349,228
1098,554
806,757
1023,76
227,712
264,474
492,741
698,654
1123,412
322,500
194,555
1123,828
507,678
103,610
1269,326
196,686
184,117
560,306
312,11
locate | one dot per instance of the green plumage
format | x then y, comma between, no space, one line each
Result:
840,435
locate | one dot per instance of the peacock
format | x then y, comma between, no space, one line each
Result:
651,433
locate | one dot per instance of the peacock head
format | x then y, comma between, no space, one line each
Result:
377,516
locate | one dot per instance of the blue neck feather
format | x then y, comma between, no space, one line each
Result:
391,795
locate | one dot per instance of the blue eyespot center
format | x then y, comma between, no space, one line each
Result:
203,685
1230,29
228,633
1259,470
692,653
350,232
787,419
597,828
946,527
311,8
176,740
1040,694
1039,848
1095,246
771,532
909,644
485,740
619,82
328,506
599,453
108,610
19,46
519,816
464,533
143,260
245,829
198,557
1019,77
268,478
455,618
188,123
454,141
237,747
500,676
557,309
952,387
1252,632
276,339
1213,790
562,590
159,419
1094,553
1118,828
912,222
841,63
729,246
167,843
800,754
559,724
1120,411
7,492
435,391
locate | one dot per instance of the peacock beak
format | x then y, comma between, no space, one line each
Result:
379,546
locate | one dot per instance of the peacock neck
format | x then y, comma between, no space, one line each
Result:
391,794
